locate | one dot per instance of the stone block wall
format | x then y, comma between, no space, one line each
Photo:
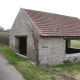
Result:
21,27
51,50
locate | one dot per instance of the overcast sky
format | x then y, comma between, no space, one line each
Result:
10,8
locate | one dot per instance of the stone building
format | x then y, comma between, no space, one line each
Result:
45,37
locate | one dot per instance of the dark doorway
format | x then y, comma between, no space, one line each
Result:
23,45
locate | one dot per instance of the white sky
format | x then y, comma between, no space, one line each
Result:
10,8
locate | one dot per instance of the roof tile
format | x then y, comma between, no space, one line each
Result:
49,24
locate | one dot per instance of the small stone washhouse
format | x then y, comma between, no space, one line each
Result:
45,38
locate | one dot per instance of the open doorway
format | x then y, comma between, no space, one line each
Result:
23,45
72,46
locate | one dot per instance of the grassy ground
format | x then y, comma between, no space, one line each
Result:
4,33
75,43
33,72
29,71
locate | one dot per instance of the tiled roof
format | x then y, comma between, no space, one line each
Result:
49,24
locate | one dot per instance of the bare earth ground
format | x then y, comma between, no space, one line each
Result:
77,76
64,76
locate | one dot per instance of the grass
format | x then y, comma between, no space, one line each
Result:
33,72
69,68
4,33
75,43
29,71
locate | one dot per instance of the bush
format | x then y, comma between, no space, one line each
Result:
4,39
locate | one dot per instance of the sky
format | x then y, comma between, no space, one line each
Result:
10,8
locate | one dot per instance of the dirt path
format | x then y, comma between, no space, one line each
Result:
7,71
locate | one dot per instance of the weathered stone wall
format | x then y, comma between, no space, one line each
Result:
22,26
51,50
72,58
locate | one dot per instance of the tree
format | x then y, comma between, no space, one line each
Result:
1,28
8,30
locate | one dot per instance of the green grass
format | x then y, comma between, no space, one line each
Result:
69,68
4,33
29,71
75,43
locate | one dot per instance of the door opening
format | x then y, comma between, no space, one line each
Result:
23,45
72,46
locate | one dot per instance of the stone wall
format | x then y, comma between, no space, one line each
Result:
21,27
72,58
51,50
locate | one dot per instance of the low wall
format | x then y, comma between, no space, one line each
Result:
72,58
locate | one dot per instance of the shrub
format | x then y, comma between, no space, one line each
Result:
4,39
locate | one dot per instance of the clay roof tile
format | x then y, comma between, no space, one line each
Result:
49,24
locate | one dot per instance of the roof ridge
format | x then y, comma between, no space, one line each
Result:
50,13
